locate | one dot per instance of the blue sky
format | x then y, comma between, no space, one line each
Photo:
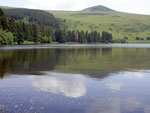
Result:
131,6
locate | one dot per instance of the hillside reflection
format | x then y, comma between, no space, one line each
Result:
95,62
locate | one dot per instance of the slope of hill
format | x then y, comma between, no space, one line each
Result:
119,24
98,8
6,7
33,16
99,18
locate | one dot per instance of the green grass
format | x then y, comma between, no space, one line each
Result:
119,24
28,42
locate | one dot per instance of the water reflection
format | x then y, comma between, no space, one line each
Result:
53,92
75,80
95,62
70,85
114,86
138,74
106,51
115,105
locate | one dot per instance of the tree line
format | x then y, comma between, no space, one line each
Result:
82,37
17,31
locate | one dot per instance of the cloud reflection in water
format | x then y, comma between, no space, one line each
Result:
114,105
138,75
114,86
70,85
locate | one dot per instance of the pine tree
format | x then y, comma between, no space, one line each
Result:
36,33
1,12
58,35
99,37
73,36
69,36
106,37
20,34
27,32
12,25
4,22
76,38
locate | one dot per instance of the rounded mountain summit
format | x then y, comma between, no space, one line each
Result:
98,8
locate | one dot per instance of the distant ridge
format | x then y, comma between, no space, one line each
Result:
98,8
32,16
6,7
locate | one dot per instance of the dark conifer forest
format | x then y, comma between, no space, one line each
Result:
20,25
33,16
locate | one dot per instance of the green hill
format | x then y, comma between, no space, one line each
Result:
98,8
32,16
6,7
97,18
118,23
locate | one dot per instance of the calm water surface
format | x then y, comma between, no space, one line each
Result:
60,78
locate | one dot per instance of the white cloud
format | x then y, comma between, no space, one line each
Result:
70,85
57,4
118,1
132,6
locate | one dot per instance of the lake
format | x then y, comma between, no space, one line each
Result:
79,78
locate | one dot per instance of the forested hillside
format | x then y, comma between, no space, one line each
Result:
32,16
19,31
12,31
95,24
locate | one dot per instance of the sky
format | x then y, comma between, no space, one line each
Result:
130,6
